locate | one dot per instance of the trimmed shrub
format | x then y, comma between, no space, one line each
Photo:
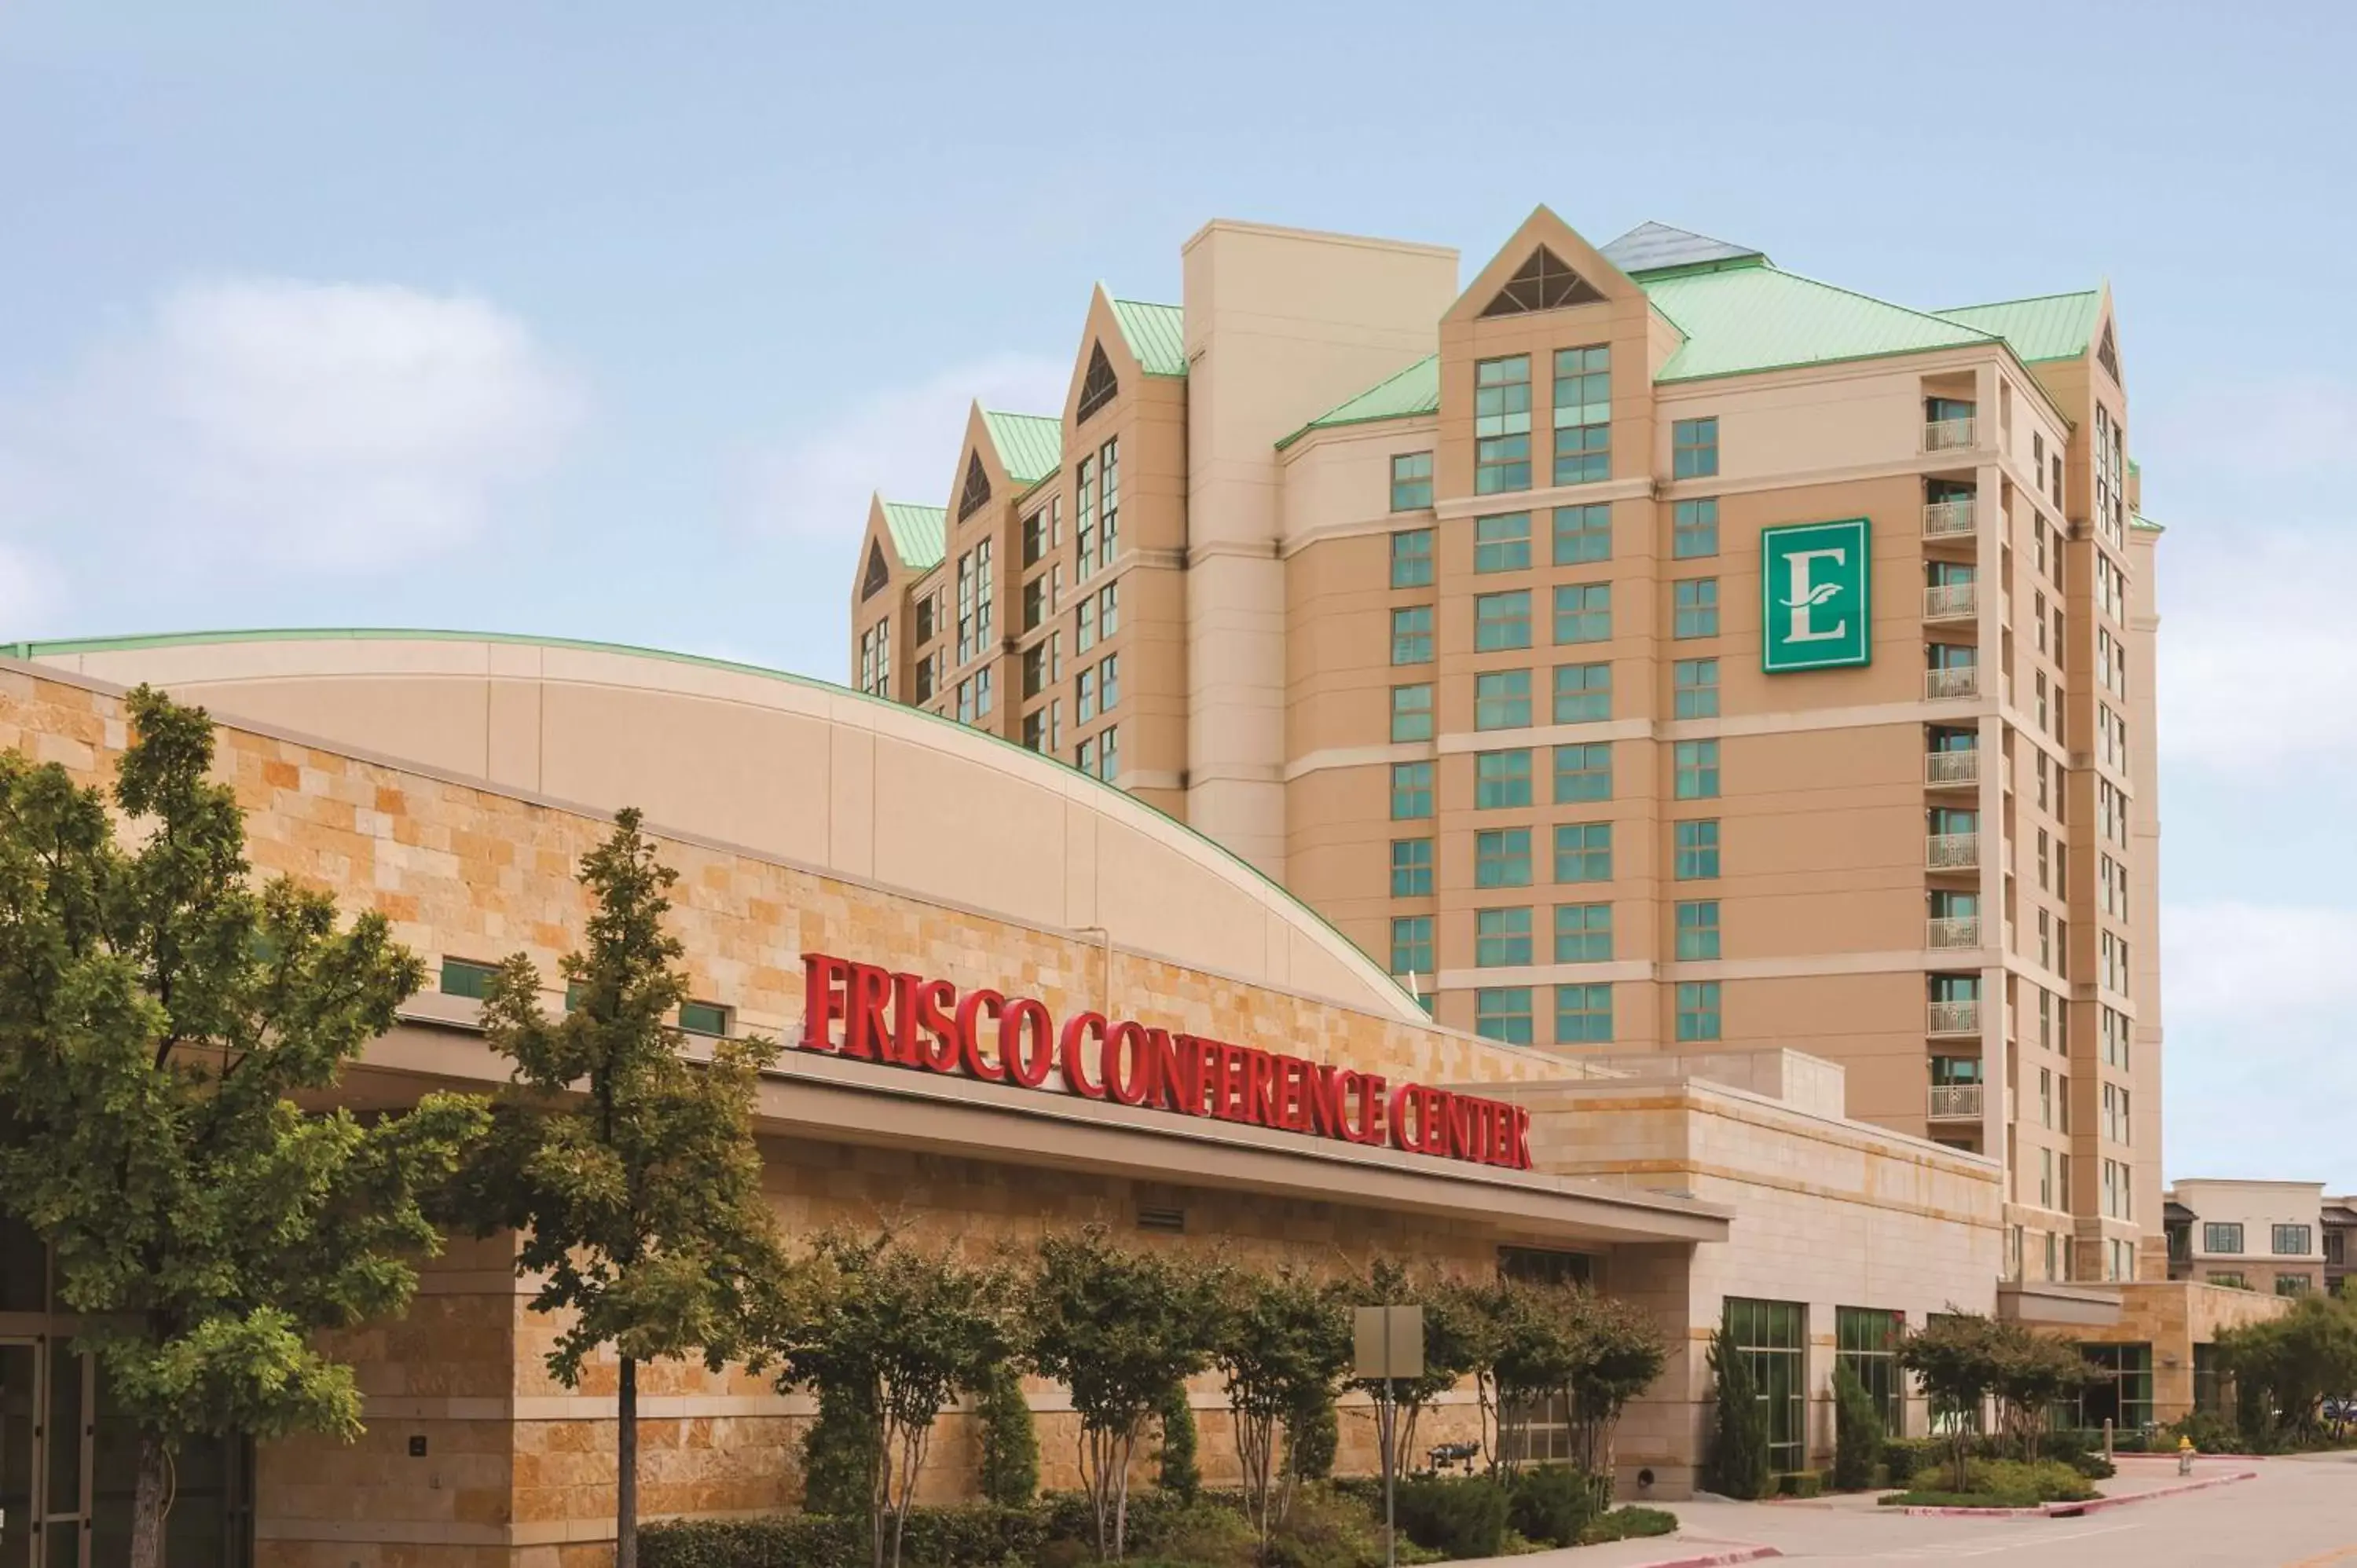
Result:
1010,1440
975,1535
2211,1434
1904,1457
1457,1516
1740,1465
1312,1437
1858,1433
2006,1484
1553,1504
839,1458
1629,1523
1179,1475
1800,1483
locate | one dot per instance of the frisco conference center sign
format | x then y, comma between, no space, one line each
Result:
908,1021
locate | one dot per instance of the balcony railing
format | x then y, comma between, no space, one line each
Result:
1954,1018
1952,852
1951,601
1955,1102
1944,768
1951,519
1948,434
1962,681
1953,931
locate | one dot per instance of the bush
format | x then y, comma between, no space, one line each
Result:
2211,1434
1312,1437
1800,1483
1553,1504
1010,1442
1739,1464
1858,1433
1457,1516
839,1457
1630,1523
1904,1457
1179,1475
976,1535
2006,1484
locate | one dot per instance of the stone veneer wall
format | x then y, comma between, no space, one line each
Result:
2172,1316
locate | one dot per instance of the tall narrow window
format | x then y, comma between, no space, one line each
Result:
1411,869
1501,425
1697,769
1583,415
1698,850
1693,528
1109,506
1412,635
1412,944
1694,449
1696,607
1411,791
1412,558
1698,1010
1697,930
1084,517
1411,481
1695,688
1411,713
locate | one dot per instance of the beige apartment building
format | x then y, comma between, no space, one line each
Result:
1634,649
2282,1238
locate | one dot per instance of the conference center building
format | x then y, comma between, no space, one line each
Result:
1193,874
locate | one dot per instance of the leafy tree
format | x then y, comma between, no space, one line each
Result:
1177,1469
1010,1439
1313,1439
2033,1371
1117,1327
1857,1432
1623,1351
1540,1349
1450,1330
1739,1462
629,1171
1283,1344
157,1018
1478,1317
2285,1369
897,1332
1957,1357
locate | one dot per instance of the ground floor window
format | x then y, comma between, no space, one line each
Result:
1772,1336
2125,1399
1867,1341
2208,1397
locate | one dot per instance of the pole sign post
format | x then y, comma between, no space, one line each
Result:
1816,586
1387,1343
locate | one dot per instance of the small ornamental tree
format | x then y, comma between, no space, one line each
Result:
1622,1354
1541,1346
2033,1371
2285,1369
1956,1357
1447,1346
1478,1317
1177,1469
1010,1439
1283,1345
1740,1465
893,1333
629,1170
1857,1432
159,1017
1117,1327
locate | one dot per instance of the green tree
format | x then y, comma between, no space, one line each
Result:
1857,1432
1739,1462
159,1017
842,1450
1448,1349
1283,1346
1540,1349
629,1170
894,1332
2033,1371
1117,1327
2285,1369
1177,1470
1957,1357
1623,1351
1010,1439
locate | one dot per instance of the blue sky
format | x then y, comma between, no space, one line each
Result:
569,319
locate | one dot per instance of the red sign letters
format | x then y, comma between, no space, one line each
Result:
912,1021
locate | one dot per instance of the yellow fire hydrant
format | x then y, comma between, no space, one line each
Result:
2185,1455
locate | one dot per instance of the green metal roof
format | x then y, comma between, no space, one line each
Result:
1156,334
1743,318
917,532
2144,524
2051,327
1032,446
1415,389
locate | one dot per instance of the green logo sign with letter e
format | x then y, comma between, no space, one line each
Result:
1816,603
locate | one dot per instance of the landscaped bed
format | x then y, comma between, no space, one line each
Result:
2000,1484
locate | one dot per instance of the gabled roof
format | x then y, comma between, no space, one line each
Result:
1748,316
1156,334
1653,247
2051,327
1415,389
917,532
1030,445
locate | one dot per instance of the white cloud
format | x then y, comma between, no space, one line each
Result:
279,422
901,441
2256,644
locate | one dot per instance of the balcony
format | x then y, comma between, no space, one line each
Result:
1951,601
1949,434
1964,680
1955,1102
1951,770
1954,1018
1949,518
1952,852
1953,931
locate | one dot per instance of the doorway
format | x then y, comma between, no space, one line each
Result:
45,1455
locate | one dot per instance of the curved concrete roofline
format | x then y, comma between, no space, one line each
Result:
689,675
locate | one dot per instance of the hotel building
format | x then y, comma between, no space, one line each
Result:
1635,648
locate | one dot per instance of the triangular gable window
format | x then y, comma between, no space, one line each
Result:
1543,283
2107,354
1098,388
878,573
976,494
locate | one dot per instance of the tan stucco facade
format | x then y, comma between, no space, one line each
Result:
1679,1189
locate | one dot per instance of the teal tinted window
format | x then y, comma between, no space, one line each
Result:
1502,424
1411,560
1501,937
1411,945
1411,713
1583,612
1698,1010
1583,415
1501,778
1583,693
1694,449
1582,773
1695,608
1697,769
1502,544
1697,688
1583,933
1583,1015
1501,620
1698,929
1412,635
1502,700
1504,1014
1411,869
1582,535
463,977
1693,528
1501,858
1698,850
1583,852
704,1019
1411,791
1411,481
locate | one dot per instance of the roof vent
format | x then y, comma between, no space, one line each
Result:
1543,283
1171,1219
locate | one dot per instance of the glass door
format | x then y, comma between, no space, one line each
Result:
20,1362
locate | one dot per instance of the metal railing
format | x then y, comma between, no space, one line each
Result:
1951,601
1949,519
1954,1018
1953,931
1946,767
1955,1101
1958,681
1948,434
1952,852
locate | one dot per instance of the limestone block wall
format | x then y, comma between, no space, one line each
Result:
2173,1316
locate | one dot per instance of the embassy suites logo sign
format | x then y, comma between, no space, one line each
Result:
870,1012
1816,585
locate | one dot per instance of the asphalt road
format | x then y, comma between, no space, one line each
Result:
2299,1513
